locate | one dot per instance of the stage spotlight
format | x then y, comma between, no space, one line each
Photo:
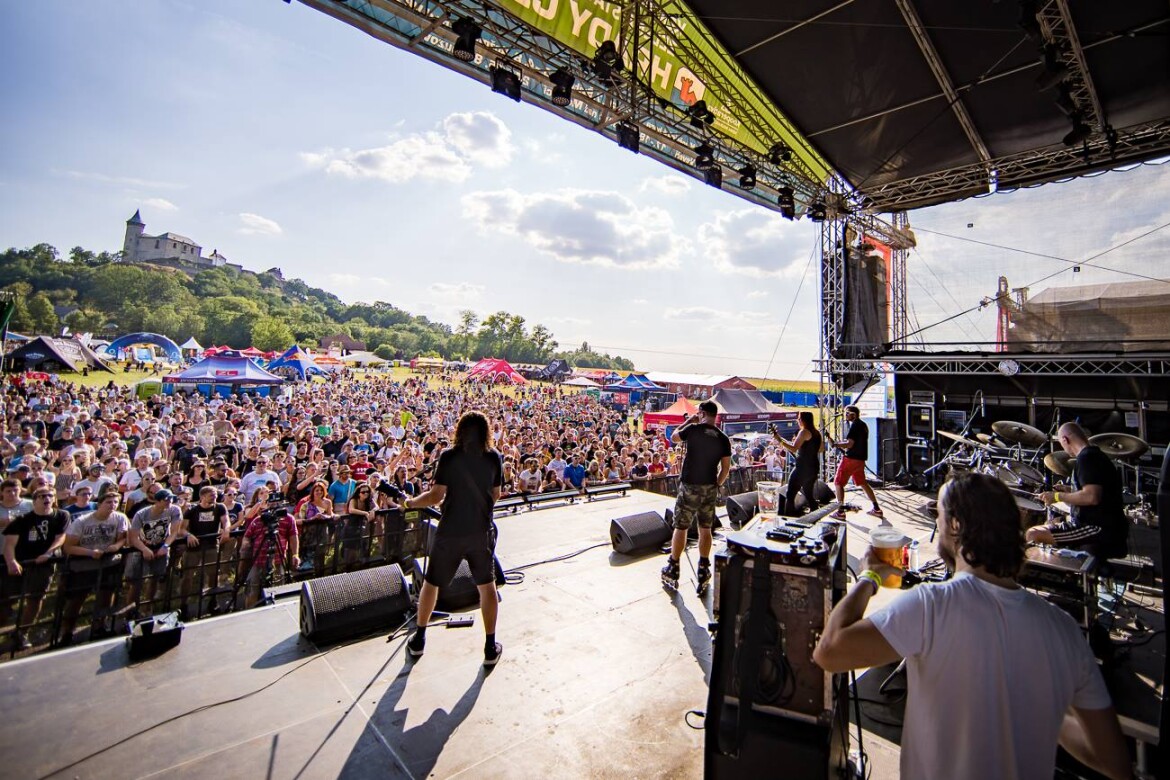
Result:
780,152
713,176
704,156
468,32
505,81
628,136
786,200
1065,102
747,177
700,115
1055,71
607,61
563,81
1080,131
818,211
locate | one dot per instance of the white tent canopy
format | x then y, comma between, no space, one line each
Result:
580,381
191,343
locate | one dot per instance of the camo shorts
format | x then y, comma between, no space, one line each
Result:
695,501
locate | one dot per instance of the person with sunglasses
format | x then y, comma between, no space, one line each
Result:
152,531
359,516
30,541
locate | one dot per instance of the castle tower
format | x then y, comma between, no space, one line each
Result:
134,229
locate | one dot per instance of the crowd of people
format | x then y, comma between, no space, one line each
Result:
114,495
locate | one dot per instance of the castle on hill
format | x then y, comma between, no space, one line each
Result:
141,248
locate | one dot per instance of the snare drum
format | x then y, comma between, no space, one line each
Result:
1019,475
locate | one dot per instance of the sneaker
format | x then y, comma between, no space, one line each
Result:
491,655
184,615
670,574
703,575
416,645
838,514
877,512
22,641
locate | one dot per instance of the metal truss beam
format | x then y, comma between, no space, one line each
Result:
1056,24
899,310
1131,145
1004,365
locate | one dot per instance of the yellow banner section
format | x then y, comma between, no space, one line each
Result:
679,51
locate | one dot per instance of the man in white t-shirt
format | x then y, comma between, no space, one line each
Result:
997,677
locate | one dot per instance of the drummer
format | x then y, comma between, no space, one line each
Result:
1098,521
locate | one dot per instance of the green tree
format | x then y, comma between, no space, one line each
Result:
43,318
269,334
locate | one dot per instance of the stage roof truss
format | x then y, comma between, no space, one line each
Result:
1008,365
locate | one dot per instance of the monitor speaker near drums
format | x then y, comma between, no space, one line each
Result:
460,593
741,508
638,533
693,531
354,603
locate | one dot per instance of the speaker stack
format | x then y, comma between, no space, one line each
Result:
354,603
639,533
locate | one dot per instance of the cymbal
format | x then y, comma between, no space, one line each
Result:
962,439
1059,463
1028,504
1019,433
1119,445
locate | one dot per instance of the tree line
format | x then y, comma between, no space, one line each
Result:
97,293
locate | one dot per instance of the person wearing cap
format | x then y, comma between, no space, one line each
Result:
131,478
94,543
152,531
30,541
143,495
95,479
80,502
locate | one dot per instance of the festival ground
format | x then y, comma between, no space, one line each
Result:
600,669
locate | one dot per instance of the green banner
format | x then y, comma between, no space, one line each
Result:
680,58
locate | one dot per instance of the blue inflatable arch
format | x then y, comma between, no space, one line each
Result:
174,354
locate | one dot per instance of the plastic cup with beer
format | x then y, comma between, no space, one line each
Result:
888,544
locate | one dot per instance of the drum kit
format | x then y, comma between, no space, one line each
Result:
1018,454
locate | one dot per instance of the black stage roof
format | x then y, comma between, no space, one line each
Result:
914,102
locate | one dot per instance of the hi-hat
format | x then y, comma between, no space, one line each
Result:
1119,445
990,440
1059,463
1019,433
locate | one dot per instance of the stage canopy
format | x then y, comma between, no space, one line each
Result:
44,351
191,344
747,406
225,369
906,103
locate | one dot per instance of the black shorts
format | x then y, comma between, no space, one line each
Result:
107,578
449,551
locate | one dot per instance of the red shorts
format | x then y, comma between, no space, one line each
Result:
850,468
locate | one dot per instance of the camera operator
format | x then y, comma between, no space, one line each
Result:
272,544
997,677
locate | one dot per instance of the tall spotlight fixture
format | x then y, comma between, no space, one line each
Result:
563,81
700,115
713,176
818,211
704,156
780,153
628,136
786,200
747,177
607,61
468,33
505,80
1055,71
1080,131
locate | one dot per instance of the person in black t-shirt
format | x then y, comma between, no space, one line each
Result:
852,465
705,468
806,446
29,543
1098,521
467,484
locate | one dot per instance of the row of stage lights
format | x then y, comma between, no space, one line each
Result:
605,64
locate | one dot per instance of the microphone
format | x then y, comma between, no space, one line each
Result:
982,410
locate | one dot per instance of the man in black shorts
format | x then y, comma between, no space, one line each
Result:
29,543
1098,521
467,484
704,470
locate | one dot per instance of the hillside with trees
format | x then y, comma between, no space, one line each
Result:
95,292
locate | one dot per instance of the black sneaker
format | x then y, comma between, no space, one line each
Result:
491,655
703,575
670,574
416,645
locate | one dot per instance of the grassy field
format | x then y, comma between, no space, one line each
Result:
782,385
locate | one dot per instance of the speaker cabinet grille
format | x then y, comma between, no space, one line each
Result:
345,605
642,531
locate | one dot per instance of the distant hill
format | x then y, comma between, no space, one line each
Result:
95,292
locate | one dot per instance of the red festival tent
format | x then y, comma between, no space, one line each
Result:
495,370
671,415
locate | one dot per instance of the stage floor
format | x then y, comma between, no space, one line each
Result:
600,668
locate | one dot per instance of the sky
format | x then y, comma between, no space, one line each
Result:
282,137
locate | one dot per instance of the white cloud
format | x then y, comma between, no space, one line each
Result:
160,204
693,313
756,243
671,184
603,229
446,154
759,294
732,320
639,301
572,322
462,290
256,225
125,181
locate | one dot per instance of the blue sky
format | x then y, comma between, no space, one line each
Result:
284,138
